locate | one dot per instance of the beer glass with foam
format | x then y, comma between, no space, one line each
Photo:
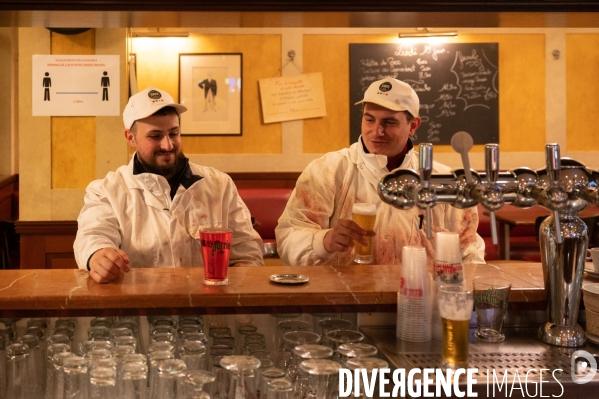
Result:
364,215
455,307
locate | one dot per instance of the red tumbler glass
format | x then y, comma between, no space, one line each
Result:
216,247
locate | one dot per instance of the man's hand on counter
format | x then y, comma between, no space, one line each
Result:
107,264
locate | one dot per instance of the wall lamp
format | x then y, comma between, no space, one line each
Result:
159,33
425,32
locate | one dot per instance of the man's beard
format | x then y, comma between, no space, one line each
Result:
166,171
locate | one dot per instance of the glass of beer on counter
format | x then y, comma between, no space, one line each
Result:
491,296
455,307
364,215
216,248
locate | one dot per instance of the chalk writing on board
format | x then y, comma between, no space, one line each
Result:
457,84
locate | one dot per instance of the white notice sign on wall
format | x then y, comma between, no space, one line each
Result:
75,85
292,97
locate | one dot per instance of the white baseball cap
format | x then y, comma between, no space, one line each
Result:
146,102
392,94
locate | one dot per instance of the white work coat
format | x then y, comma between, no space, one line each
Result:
136,214
326,191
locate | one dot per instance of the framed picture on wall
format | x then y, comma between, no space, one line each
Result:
210,88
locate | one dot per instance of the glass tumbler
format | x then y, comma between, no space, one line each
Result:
169,381
134,381
289,326
192,353
102,383
280,388
17,359
76,377
328,325
194,382
37,365
243,381
291,340
368,364
355,349
323,378
339,337
51,351
267,375
455,308
299,378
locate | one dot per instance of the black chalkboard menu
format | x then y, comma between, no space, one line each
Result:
457,83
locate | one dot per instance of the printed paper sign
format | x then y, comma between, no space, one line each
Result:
292,97
75,85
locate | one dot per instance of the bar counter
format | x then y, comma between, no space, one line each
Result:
356,288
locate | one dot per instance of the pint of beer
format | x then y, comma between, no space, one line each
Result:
455,307
365,216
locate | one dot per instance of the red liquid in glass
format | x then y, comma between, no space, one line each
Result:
216,247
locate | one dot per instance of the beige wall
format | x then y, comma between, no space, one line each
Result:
6,139
542,99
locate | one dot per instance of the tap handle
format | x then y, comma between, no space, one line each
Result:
553,163
553,171
492,163
425,163
492,169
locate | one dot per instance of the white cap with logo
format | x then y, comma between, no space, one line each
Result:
146,102
392,94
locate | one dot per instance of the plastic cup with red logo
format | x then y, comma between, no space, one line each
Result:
216,248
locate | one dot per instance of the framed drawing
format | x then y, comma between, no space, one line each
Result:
210,88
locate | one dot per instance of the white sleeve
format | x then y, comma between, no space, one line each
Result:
246,245
306,219
98,226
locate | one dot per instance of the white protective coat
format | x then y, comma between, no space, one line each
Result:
326,191
136,214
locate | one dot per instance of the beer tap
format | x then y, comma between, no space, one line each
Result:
565,187
490,195
550,194
426,197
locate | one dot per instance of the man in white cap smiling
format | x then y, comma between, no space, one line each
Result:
316,226
149,213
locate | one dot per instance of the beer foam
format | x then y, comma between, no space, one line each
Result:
365,209
451,310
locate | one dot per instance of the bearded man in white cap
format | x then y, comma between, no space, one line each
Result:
316,226
149,213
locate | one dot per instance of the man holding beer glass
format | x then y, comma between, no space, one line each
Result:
149,213
317,225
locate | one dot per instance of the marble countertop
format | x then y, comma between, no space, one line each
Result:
365,288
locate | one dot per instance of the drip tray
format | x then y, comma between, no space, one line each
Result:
520,361
509,363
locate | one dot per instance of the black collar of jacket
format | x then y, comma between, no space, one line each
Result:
184,176
409,144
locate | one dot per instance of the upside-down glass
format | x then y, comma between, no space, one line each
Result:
491,296
299,378
323,376
243,382
291,340
364,215
216,248
455,308
368,364
194,382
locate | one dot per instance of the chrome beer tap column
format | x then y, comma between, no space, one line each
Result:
563,240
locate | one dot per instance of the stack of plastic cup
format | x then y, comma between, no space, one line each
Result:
414,307
447,270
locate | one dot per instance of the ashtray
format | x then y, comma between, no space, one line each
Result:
289,278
